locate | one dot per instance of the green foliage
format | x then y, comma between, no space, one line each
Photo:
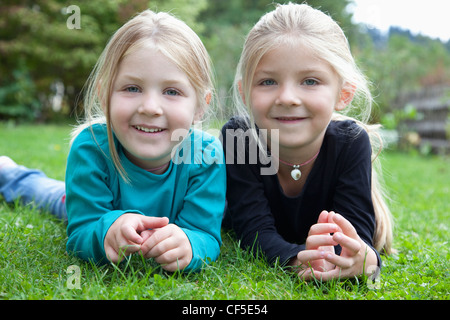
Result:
18,99
398,64
37,42
37,34
392,120
34,265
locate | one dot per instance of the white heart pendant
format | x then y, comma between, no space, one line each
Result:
296,174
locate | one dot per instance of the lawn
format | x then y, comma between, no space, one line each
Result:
34,264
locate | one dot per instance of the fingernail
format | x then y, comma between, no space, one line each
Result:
337,236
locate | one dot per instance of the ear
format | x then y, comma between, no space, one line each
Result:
241,91
208,98
345,97
199,113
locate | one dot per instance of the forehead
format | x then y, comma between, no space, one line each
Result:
292,57
149,61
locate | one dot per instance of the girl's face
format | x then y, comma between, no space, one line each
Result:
296,93
151,98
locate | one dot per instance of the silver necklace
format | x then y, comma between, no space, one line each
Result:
296,174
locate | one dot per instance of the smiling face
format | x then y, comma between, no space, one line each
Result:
151,98
296,93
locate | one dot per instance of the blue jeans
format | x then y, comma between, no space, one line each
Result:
33,187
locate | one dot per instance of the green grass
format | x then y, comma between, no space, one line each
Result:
34,265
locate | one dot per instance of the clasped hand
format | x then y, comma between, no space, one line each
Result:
319,260
152,237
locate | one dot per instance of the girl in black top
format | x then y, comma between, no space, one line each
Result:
301,184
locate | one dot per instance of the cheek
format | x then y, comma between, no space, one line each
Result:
323,104
259,106
116,108
120,115
181,117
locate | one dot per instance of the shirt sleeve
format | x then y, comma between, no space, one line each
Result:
203,207
249,209
89,199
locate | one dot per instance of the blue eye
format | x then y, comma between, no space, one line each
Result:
132,89
171,92
310,82
268,82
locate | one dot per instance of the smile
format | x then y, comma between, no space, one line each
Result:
290,118
149,130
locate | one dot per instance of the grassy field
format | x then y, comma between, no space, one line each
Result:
34,265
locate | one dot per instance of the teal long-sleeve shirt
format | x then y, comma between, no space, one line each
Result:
191,193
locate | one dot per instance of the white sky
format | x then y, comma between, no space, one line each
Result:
428,17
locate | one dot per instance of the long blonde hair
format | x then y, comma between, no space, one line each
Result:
173,38
299,22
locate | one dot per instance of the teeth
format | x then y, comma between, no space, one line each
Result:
148,129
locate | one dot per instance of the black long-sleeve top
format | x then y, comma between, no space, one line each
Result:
264,217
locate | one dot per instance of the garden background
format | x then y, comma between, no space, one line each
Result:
45,58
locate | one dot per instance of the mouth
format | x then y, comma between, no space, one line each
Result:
290,119
148,130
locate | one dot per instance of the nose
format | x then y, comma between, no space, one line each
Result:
150,105
288,96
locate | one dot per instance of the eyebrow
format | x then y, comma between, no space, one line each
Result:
270,72
135,78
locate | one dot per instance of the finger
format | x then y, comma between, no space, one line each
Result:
159,248
147,234
322,275
321,228
316,241
339,261
305,256
169,256
345,225
158,236
172,264
308,274
153,222
353,245
111,254
128,249
323,217
129,233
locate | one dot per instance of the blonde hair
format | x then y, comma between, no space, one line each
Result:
173,38
288,24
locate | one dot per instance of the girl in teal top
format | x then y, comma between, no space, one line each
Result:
131,185
190,193
139,177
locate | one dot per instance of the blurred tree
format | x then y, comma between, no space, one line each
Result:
36,42
400,63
